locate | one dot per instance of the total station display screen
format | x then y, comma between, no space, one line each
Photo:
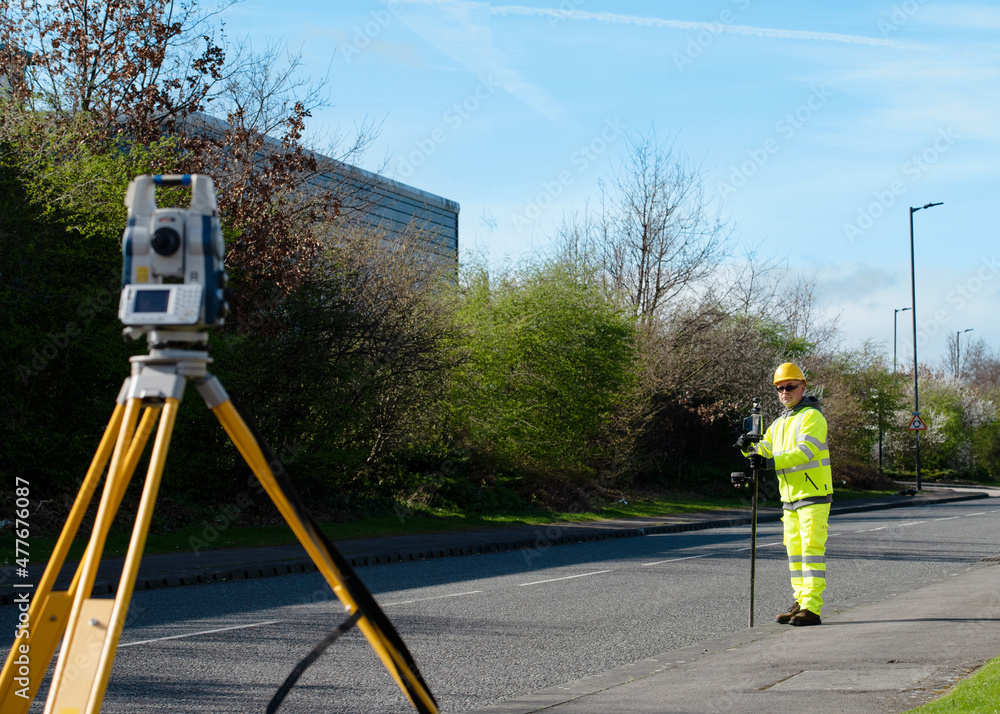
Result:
151,301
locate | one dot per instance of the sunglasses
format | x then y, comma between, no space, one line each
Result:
789,387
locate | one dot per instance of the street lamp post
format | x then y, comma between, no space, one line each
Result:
895,312
958,353
916,364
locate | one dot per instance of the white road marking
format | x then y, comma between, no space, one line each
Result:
911,523
762,545
202,632
424,599
673,560
970,515
946,519
568,577
704,531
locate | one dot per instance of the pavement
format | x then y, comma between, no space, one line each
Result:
885,652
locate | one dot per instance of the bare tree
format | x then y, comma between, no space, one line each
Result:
277,193
959,358
125,63
980,367
655,239
656,234
796,310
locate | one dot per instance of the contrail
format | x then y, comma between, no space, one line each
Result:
715,27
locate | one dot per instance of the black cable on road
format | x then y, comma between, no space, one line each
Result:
302,666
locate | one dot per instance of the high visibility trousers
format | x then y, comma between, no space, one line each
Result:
805,543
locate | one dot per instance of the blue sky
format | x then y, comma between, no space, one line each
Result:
817,127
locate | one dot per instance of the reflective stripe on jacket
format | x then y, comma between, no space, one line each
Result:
795,447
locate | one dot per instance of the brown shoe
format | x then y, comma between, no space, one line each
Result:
784,617
805,617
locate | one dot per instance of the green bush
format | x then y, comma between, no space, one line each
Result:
548,359
61,221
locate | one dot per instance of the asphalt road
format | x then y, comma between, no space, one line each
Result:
490,627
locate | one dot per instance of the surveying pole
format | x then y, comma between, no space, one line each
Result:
752,427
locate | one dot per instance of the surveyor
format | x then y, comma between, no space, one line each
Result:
795,448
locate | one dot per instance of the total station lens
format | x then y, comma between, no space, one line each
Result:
165,241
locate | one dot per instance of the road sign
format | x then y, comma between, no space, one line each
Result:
917,424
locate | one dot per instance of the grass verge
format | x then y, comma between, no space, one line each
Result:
977,694
404,521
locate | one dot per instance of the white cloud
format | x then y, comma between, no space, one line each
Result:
948,300
858,283
960,91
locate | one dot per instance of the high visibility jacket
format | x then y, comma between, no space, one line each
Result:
796,449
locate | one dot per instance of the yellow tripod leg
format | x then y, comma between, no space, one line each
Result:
237,430
393,660
132,456
98,628
123,463
47,613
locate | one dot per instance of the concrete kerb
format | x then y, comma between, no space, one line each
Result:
587,532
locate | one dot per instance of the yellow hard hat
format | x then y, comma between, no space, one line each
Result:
788,371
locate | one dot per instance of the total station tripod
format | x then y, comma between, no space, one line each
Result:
90,628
